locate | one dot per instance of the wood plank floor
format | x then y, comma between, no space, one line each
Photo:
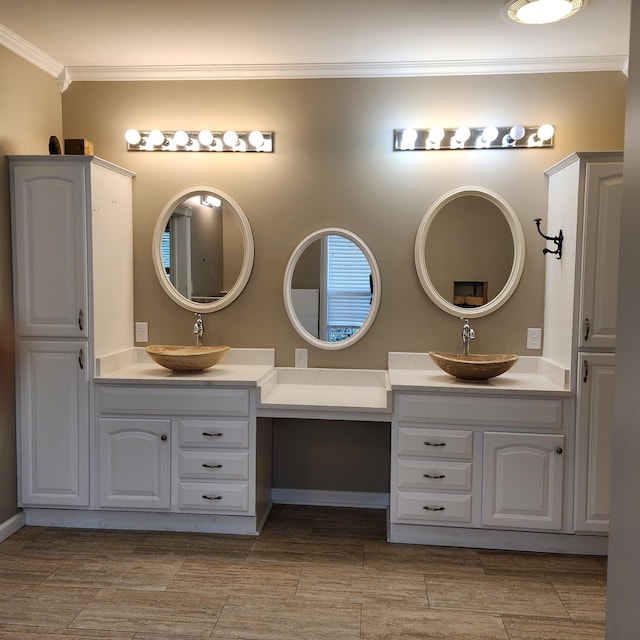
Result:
314,573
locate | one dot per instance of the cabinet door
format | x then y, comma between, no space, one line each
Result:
522,480
49,203
601,239
135,463
593,442
53,423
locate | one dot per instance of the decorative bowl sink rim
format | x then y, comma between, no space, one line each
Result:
186,359
475,366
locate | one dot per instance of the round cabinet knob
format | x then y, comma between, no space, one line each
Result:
163,437
559,450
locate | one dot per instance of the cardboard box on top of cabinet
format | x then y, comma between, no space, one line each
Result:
78,147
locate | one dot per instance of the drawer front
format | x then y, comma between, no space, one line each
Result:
136,399
484,411
434,475
435,443
213,465
212,497
214,433
433,507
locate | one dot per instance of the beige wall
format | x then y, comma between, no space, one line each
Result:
31,108
333,165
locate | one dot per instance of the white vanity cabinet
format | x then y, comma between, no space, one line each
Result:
72,257
188,449
477,460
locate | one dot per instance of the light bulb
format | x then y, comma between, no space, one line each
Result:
436,134
546,131
489,134
181,138
230,138
256,139
462,134
517,132
205,137
408,140
132,136
156,137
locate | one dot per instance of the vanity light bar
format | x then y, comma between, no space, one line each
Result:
489,137
204,140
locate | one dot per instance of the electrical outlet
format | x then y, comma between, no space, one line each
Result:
142,332
301,358
534,338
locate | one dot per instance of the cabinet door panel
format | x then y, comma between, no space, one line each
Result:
522,480
593,442
135,463
601,242
53,424
50,228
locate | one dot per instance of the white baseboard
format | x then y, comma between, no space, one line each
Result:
10,526
320,498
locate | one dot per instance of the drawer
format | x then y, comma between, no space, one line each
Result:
193,496
214,433
166,401
433,507
481,411
434,475
213,465
435,443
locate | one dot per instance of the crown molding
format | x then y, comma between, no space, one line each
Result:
66,75
348,70
38,58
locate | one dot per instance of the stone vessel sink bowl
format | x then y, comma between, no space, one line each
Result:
186,359
474,367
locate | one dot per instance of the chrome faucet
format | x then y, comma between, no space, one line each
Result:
198,330
468,334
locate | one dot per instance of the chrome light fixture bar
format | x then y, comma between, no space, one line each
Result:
204,140
490,137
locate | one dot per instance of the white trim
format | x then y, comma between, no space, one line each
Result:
320,498
537,541
10,526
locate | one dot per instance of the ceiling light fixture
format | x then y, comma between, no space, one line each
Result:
543,11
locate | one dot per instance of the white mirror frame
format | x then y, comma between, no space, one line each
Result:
247,261
288,279
518,252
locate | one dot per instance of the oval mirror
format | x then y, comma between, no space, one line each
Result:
469,252
332,288
203,249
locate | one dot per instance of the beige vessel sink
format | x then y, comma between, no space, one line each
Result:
186,359
474,367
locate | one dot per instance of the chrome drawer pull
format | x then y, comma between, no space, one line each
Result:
434,508
433,477
212,435
212,497
435,444
212,466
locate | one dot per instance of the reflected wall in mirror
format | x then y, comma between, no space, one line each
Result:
203,249
469,252
332,288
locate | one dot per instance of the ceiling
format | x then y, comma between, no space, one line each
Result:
211,39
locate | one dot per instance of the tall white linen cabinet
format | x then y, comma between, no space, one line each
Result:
73,302
581,293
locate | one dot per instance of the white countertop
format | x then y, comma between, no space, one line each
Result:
529,376
246,367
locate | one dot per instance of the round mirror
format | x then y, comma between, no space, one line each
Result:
469,252
203,249
332,288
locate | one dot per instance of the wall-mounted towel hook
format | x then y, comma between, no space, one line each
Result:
557,240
